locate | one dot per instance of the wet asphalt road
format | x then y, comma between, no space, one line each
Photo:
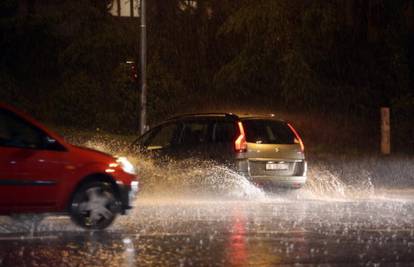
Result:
267,231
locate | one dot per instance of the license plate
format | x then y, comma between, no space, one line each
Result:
277,166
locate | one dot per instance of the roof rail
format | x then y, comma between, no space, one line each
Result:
225,114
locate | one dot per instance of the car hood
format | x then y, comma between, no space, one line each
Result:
91,155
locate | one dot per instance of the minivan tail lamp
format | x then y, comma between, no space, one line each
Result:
240,145
298,140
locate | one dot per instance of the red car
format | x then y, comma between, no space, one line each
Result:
41,173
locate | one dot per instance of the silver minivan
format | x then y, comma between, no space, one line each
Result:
268,151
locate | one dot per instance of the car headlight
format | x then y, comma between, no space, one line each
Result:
126,165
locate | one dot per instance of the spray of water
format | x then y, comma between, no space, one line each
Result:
326,182
193,179
200,179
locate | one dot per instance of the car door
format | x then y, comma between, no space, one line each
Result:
31,166
159,143
195,140
224,134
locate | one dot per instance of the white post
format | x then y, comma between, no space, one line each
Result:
385,131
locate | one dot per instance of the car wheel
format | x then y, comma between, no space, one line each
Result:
94,206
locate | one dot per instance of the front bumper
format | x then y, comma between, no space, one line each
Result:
128,194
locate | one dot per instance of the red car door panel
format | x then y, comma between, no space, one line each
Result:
30,171
29,178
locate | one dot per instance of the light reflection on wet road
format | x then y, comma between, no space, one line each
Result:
268,231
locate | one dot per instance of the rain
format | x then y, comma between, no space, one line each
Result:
206,133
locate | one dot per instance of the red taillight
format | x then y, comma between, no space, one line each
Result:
298,140
240,145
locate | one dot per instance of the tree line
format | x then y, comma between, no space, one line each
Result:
65,60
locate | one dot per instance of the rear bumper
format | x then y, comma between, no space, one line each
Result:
283,182
255,171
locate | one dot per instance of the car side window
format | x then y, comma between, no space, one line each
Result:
143,140
162,137
224,132
15,132
195,132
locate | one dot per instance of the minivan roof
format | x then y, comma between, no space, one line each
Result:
229,115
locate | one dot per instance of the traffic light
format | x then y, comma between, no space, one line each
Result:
133,70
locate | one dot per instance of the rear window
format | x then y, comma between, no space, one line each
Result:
268,132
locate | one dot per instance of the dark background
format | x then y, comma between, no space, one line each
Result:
326,65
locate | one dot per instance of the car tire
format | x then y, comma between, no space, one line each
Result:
94,206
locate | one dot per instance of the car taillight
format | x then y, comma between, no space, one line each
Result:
298,140
240,145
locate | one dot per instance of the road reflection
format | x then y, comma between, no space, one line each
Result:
129,253
224,234
238,254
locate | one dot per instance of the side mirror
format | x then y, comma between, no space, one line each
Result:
51,144
50,141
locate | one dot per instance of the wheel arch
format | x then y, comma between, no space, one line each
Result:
91,178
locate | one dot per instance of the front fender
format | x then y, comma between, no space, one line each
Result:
76,177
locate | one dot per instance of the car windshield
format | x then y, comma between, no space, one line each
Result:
268,132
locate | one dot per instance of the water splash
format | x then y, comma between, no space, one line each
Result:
197,179
326,181
192,178
323,183
178,179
